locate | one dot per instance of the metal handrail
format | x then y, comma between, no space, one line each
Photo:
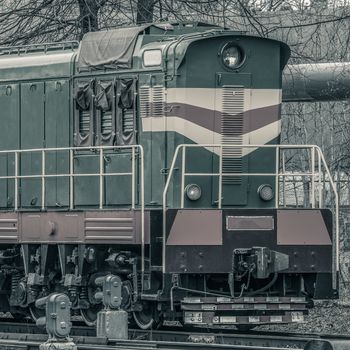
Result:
101,174
99,150
315,150
18,49
71,175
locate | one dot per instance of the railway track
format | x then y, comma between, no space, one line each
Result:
27,336
13,341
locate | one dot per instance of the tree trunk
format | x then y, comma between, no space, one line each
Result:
144,11
88,16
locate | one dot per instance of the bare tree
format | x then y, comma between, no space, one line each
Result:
145,10
88,14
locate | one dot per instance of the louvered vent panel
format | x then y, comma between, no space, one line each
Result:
128,121
84,122
232,132
151,101
145,110
106,123
157,101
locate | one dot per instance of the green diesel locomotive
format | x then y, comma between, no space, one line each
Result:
152,153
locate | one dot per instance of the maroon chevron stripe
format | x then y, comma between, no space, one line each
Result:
211,120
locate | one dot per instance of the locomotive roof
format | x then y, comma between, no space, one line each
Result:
28,62
36,66
116,47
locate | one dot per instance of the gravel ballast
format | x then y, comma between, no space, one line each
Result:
329,317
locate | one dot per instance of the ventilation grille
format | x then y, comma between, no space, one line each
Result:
157,101
84,122
232,133
128,121
151,101
144,93
106,123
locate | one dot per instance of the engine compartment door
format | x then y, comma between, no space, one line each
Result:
232,101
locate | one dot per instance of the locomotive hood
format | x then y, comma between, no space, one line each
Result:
180,46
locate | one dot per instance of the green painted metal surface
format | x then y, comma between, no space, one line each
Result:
57,134
9,139
233,194
118,163
86,189
205,56
32,136
36,66
39,113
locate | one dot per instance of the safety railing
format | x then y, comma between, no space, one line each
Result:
72,151
315,174
137,167
41,47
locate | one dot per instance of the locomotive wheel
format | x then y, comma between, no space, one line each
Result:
146,318
35,312
90,315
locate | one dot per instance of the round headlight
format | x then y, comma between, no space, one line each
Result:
266,192
232,56
193,192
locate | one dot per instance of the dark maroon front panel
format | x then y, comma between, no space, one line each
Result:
307,240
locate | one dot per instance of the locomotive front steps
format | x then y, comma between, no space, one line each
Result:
156,268
243,310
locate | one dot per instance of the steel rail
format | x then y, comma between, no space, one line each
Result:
170,337
84,337
15,341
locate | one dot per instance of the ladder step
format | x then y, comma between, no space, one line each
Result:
201,318
244,310
156,268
